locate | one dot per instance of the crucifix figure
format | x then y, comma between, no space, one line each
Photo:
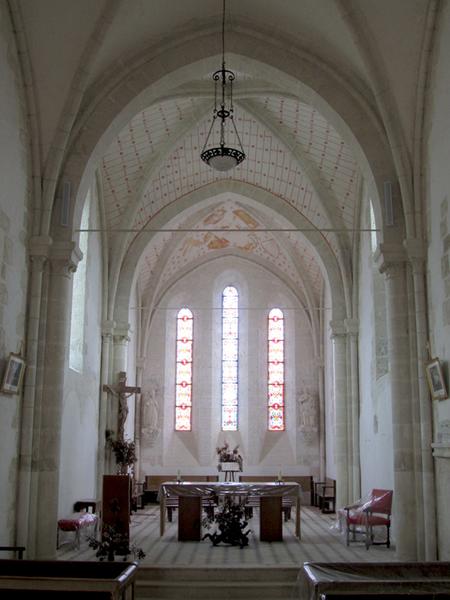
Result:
123,392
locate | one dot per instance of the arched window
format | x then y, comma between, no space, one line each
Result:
230,353
183,384
275,370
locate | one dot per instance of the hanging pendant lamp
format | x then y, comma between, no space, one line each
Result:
223,157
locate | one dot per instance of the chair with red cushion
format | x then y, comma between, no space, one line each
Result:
361,517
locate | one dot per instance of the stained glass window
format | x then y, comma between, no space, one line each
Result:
275,375
230,351
183,382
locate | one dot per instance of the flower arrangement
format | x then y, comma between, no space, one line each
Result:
229,522
113,542
226,455
124,451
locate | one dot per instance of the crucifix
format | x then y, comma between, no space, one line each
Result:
123,392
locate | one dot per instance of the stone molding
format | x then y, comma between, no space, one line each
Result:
338,328
390,258
64,258
352,326
441,450
108,328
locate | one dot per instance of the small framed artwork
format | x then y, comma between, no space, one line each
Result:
436,382
13,377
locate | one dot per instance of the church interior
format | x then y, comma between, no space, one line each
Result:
225,224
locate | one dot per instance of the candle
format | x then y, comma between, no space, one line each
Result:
178,475
280,478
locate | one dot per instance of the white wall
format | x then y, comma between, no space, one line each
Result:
295,450
329,401
374,392
437,208
14,232
81,399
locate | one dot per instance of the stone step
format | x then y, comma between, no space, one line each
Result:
237,583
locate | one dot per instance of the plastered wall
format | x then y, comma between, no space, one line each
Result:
294,451
437,209
80,412
14,233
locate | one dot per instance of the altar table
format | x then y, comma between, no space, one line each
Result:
271,491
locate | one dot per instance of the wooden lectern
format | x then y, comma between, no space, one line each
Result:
116,503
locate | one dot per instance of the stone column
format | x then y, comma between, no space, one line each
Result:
104,465
140,364
319,365
391,261
427,503
339,337
119,363
39,250
64,257
352,326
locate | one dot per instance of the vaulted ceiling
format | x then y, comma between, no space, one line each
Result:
295,155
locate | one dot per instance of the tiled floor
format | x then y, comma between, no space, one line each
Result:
320,542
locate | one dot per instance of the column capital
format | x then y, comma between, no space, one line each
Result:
64,258
39,246
414,250
352,326
121,333
390,256
108,328
338,328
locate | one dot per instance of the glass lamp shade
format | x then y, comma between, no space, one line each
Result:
222,158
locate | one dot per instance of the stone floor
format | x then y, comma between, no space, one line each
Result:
320,542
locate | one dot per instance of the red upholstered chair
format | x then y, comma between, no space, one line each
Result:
361,517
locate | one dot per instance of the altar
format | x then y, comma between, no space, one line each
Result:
190,495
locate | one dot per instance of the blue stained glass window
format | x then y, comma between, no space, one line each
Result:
275,370
183,380
230,352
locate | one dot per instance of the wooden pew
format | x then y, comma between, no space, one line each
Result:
153,482
325,495
287,503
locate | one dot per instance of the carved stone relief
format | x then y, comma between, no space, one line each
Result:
151,413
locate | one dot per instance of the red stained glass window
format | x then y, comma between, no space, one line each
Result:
275,370
230,351
183,378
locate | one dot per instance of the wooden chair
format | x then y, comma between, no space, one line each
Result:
361,517
325,495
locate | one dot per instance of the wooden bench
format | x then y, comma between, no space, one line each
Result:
286,503
325,495
76,523
153,483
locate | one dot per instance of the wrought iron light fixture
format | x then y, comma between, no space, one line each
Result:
222,157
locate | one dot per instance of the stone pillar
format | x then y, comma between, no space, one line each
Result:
119,363
140,364
104,465
392,263
339,337
39,250
319,365
352,326
64,258
427,503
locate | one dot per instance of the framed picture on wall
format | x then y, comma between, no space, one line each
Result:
13,377
436,382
